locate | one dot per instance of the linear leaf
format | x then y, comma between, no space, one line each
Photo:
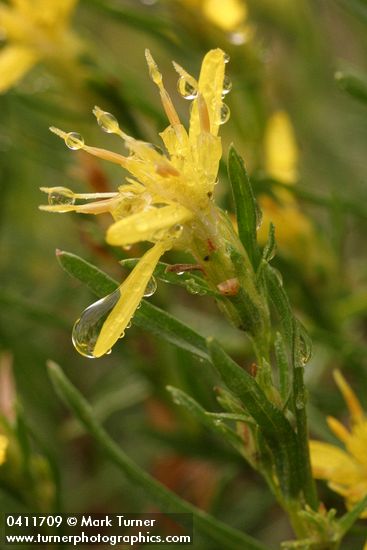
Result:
223,535
353,85
245,204
275,427
347,521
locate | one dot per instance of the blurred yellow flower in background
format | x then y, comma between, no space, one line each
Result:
34,30
344,470
3,448
281,151
170,201
294,231
228,15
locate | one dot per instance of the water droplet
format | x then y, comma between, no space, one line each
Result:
194,288
86,329
150,288
227,85
278,276
238,37
227,57
300,401
61,195
74,141
305,345
176,230
107,122
122,334
224,114
187,90
259,215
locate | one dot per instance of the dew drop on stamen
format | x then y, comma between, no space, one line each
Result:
150,288
74,141
108,122
61,197
227,57
186,89
87,328
227,85
224,114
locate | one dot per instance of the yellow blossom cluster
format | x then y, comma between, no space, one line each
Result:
34,31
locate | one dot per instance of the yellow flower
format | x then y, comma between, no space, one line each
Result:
229,15
3,448
294,231
168,203
344,470
281,153
34,30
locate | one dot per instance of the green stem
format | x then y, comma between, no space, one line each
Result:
299,397
222,534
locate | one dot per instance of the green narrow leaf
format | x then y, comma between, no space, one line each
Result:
191,282
353,85
148,317
223,535
280,300
275,427
299,398
271,245
209,420
348,520
245,204
283,368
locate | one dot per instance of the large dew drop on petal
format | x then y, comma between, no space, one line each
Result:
86,329
150,288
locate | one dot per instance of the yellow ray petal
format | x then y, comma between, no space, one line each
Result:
45,12
3,447
15,62
350,397
338,428
131,291
144,226
210,87
357,444
333,464
281,153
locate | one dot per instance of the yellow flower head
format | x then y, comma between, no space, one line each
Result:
228,15
168,201
34,30
294,231
345,470
3,448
